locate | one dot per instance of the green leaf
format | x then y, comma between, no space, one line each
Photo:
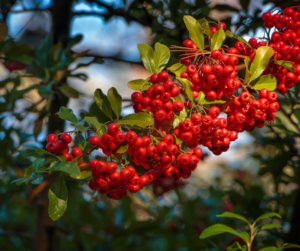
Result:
43,151
219,229
123,148
247,73
146,54
286,64
270,226
187,85
297,114
229,34
67,114
203,101
266,81
58,197
235,247
68,167
217,39
38,180
177,69
81,127
161,57
83,175
139,119
137,84
205,26
44,52
69,91
268,249
37,163
268,215
260,61
195,31
287,245
233,215
115,100
93,121
103,103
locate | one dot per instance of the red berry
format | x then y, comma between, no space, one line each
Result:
76,152
52,138
66,138
94,140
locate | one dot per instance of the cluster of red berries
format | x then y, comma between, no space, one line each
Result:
61,146
157,99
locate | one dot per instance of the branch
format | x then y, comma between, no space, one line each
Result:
19,234
115,58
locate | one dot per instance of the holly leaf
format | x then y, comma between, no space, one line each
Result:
83,175
103,103
137,119
195,31
217,39
161,57
177,69
266,81
146,54
93,121
260,61
67,114
139,84
115,100
286,64
247,73
58,198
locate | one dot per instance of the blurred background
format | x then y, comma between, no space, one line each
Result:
58,52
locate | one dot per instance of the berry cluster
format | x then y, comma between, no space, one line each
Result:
169,150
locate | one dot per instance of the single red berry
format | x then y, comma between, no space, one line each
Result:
94,140
76,152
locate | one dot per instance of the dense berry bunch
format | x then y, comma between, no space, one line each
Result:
199,102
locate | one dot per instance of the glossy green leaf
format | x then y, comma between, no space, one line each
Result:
219,229
268,249
286,64
260,61
205,26
67,114
233,215
147,57
69,91
83,175
203,101
161,57
177,69
69,167
123,148
103,103
187,85
268,215
266,81
37,163
139,84
115,100
195,31
217,39
137,119
229,34
58,198
93,121
270,226
247,73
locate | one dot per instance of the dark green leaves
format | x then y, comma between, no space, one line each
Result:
93,121
103,103
68,167
217,39
219,229
137,119
115,100
161,57
139,85
266,81
58,197
146,54
195,31
260,61
177,69
233,215
67,114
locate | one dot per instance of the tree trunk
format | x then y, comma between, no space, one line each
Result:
43,241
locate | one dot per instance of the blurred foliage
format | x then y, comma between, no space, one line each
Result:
264,181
